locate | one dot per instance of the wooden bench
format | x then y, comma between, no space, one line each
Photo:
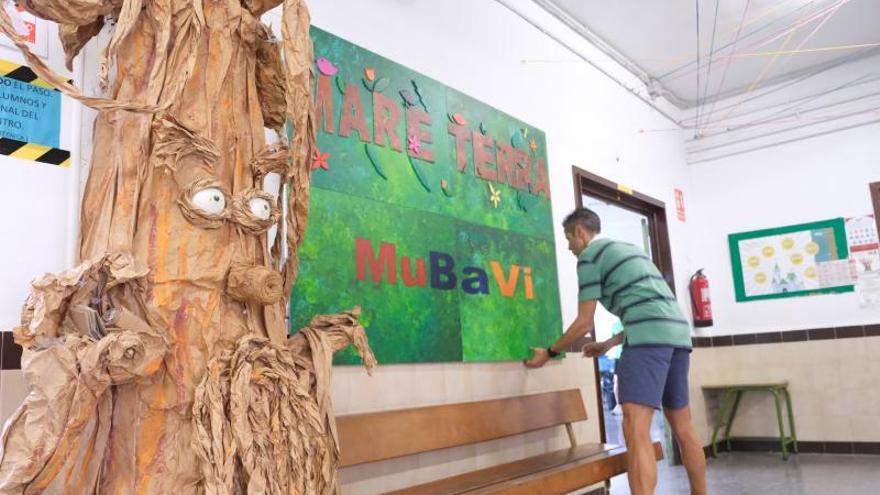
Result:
390,434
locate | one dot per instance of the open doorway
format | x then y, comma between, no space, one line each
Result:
640,220
629,226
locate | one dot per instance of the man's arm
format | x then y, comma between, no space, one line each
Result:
595,349
581,326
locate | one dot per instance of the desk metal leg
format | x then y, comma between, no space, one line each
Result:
739,394
719,420
781,427
791,420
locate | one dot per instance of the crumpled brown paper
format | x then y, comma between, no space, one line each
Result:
270,81
272,158
74,38
86,330
126,338
256,284
260,402
243,215
111,279
299,80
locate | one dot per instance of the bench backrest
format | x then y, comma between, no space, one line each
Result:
389,434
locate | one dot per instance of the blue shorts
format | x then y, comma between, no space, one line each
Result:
654,375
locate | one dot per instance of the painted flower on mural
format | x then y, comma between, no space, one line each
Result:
319,160
533,145
414,144
326,67
370,74
494,196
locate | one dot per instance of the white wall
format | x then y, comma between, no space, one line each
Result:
476,46
815,179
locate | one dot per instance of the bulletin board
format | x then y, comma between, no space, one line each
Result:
796,260
430,210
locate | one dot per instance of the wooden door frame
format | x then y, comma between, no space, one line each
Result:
655,210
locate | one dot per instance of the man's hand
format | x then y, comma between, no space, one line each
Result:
594,349
539,357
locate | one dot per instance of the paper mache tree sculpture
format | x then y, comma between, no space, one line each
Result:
162,364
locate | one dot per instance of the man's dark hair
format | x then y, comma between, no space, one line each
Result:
584,217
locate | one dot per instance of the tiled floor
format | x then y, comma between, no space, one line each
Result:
742,473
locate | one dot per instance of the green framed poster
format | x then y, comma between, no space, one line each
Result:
431,211
797,260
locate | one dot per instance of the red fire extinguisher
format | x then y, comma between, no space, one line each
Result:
700,300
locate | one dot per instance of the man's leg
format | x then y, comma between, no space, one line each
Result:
692,454
675,405
642,466
641,373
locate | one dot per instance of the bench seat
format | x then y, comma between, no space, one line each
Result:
575,467
373,437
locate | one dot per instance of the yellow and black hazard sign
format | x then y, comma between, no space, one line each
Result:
35,152
23,73
20,148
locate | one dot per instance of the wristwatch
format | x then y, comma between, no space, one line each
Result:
551,352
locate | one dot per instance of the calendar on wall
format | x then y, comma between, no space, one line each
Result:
864,258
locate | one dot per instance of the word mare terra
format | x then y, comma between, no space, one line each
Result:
443,276
493,160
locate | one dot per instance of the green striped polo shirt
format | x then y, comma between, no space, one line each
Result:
621,277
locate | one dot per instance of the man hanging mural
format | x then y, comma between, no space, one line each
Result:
161,364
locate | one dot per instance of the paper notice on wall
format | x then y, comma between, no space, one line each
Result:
679,205
868,291
30,116
31,28
864,259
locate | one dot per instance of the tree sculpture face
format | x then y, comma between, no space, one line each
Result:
174,238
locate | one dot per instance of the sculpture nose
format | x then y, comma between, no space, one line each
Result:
255,284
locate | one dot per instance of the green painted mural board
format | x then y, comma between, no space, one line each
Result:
445,187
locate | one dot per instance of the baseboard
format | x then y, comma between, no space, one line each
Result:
804,447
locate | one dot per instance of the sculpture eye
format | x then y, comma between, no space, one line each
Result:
210,200
260,208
